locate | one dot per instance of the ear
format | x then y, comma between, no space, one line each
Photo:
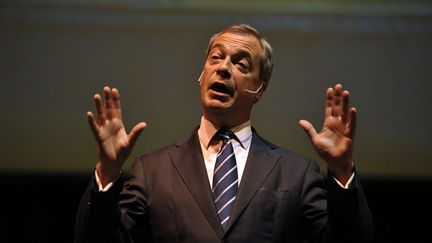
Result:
199,79
261,91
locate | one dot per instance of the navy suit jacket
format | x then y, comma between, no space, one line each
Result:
282,197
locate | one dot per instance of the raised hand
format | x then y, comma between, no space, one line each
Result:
114,145
335,142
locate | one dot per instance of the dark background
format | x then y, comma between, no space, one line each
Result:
55,55
42,208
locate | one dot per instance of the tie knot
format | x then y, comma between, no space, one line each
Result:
225,134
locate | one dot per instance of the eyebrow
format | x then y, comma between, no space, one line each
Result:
217,45
241,53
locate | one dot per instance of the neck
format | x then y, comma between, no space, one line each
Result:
212,127
226,120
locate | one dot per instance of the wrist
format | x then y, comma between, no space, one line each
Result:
106,174
342,171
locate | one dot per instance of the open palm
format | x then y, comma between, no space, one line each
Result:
335,142
114,144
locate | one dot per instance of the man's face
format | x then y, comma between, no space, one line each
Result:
232,66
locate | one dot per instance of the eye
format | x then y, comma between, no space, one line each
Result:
214,57
243,64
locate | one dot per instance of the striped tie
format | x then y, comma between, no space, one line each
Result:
225,178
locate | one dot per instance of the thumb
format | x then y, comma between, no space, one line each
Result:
136,132
308,128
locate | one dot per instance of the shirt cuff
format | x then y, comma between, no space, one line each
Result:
348,185
108,186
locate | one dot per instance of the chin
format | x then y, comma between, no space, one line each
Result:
218,106
216,109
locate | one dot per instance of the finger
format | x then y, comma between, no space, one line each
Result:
135,133
100,117
337,100
345,106
92,123
116,104
329,102
108,102
352,122
308,128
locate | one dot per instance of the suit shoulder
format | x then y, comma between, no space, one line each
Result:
158,153
164,152
287,155
293,155
284,152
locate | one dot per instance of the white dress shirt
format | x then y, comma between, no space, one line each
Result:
210,148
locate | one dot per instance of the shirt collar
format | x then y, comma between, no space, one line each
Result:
207,130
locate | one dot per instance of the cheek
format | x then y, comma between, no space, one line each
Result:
202,88
205,75
245,82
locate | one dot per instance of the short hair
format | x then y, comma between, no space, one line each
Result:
266,57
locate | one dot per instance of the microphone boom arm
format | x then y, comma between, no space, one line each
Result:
256,91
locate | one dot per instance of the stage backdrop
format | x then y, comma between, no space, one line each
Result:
55,55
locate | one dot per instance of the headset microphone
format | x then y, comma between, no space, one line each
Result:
199,79
256,91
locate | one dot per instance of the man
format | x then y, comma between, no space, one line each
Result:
263,194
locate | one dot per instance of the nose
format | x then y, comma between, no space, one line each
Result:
224,69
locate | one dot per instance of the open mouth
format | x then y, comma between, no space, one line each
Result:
221,88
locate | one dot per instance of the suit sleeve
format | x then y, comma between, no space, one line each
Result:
349,217
118,215
334,214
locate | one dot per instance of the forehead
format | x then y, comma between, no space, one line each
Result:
238,42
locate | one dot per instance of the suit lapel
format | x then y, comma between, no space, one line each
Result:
259,164
189,162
